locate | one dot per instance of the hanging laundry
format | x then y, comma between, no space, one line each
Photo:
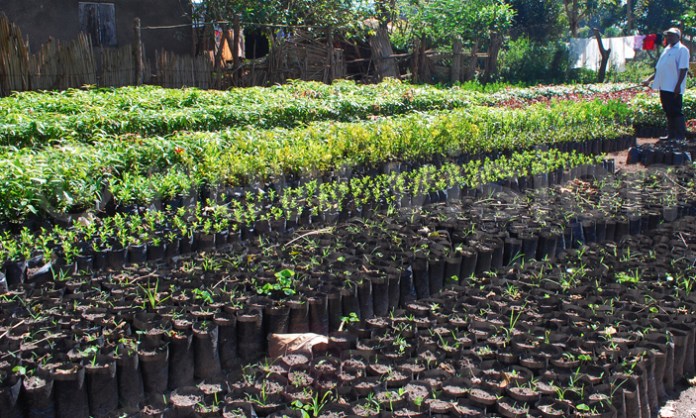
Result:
649,42
638,42
584,53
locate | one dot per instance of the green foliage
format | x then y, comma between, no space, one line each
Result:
152,295
349,319
471,20
137,169
631,277
635,72
531,62
202,295
595,13
313,408
284,284
540,20
317,14
362,190
648,110
654,16
95,115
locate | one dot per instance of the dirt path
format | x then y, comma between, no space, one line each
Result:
622,156
682,406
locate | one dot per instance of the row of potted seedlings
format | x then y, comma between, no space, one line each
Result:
133,170
498,344
507,344
92,243
169,329
664,152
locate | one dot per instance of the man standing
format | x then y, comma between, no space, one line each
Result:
670,79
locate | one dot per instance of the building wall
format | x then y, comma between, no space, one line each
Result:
41,19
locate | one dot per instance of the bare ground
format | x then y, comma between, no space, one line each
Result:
682,405
621,157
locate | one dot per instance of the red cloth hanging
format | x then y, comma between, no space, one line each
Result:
649,42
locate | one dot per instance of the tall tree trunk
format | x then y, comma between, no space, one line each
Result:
605,57
629,15
382,54
456,74
492,60
573,14
419,64
427,65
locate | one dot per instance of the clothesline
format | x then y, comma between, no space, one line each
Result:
647,42
584,52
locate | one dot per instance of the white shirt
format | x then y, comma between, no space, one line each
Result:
673,59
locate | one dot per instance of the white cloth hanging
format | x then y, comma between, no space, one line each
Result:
638,42
584,52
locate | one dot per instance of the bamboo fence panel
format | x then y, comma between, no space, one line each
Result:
117,67
62,65
81,65
177,71
59,66
14,58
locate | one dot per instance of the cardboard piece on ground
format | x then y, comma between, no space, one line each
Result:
308,343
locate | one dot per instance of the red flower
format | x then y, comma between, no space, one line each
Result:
178,150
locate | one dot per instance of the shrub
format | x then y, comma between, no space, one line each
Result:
525,61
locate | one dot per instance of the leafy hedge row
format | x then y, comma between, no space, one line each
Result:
138,170
648,111
92,115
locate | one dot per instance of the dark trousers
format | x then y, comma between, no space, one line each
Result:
671,103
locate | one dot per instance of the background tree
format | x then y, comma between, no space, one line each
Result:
538,20
654,16
579,11
306,13
473,24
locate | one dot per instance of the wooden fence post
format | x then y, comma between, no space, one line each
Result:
332,64
473,62
138,51
456,74
237,32
415,62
